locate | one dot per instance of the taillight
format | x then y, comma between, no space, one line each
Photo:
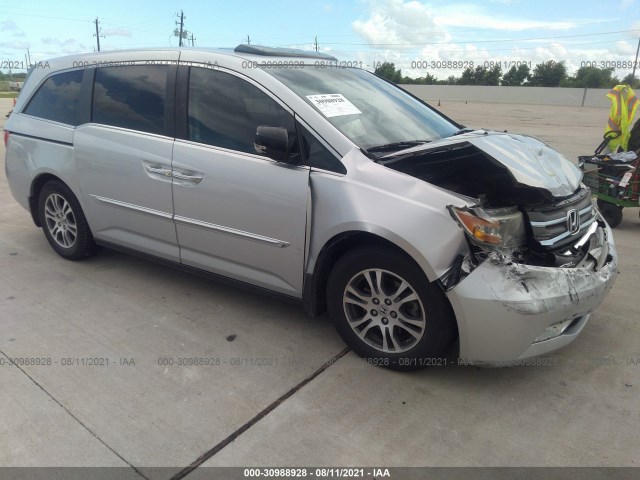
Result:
6,138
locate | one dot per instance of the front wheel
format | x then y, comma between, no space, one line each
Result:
63,222
386,310
611,213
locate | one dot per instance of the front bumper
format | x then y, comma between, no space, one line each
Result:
505,310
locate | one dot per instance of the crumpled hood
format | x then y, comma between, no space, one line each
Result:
529,161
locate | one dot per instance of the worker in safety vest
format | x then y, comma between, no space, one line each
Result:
623,108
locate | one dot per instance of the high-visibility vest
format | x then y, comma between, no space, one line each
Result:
623,108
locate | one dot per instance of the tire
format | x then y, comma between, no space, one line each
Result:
611,213
64,223
375,290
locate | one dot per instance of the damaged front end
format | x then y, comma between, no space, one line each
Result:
509,310
540,256
509,233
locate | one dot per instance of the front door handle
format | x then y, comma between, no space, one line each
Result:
188,178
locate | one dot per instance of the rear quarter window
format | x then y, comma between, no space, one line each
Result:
57,98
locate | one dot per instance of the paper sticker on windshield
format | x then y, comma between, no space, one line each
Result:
333,105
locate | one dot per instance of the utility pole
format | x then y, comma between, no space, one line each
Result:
97,34
28,58
248,40
633,74
192,39
180,33
316,44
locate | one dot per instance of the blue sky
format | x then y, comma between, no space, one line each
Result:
367,31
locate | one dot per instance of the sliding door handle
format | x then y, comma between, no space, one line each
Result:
158,170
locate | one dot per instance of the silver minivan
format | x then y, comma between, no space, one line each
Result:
294,173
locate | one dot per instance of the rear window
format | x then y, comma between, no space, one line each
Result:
57,98
131,97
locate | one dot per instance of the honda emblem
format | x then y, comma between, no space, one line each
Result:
573,221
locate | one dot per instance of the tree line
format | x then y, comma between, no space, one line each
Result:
16,77
545,74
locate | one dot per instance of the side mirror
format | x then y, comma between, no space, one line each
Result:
273,142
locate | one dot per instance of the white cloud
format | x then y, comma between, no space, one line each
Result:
468,15
16,44
112,32
624,4
10,27
415,37
69,45
623,47
399,25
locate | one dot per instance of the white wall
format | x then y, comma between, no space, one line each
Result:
592,97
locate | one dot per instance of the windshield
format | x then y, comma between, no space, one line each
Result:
369,111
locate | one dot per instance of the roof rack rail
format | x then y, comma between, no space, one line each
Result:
281,52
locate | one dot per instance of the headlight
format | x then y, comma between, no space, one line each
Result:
494,229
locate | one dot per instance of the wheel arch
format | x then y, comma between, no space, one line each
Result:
315,282
34,194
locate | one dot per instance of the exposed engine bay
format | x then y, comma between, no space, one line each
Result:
540,216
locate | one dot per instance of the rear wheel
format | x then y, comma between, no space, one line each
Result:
611,213
63,222
386,310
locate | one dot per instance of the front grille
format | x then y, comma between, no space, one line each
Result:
553,226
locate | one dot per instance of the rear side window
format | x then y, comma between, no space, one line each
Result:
57,98
225,111
131,97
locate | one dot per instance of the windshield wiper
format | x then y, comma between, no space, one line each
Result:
396,146
462,130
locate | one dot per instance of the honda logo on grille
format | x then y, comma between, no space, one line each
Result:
573,221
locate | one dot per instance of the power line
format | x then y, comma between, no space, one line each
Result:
77,19
505,49
456,30
482,41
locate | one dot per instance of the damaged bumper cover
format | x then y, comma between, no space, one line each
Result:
508,311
